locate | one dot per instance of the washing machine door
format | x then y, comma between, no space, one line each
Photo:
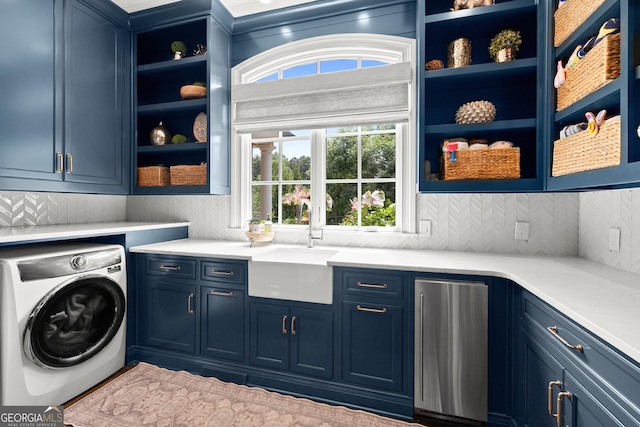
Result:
74,322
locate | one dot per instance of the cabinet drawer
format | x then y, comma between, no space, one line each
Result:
224,271
612,371
373,284
171,267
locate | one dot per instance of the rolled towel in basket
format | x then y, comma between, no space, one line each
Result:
572,129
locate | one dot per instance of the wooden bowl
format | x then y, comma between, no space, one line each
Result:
193,92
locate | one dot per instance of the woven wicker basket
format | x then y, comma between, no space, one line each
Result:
153,176
189,174
583,151
570,16
499,163
599,67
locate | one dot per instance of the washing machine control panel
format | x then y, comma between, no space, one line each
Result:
78,262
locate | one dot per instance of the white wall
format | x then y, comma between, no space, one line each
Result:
561,224
602,210
460,222
20,209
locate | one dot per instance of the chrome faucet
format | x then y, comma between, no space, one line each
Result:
311,236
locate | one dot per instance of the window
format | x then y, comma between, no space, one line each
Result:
352,171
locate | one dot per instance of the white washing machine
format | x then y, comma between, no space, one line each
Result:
62,320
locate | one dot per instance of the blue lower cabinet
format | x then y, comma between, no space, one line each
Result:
167,315
222,312
293,337
373,345
565,372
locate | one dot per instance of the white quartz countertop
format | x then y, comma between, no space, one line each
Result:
66,231
603,299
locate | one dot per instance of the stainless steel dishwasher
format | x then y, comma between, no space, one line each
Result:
451,349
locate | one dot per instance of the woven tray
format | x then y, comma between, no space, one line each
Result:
583,151
189,174
599,67
499,163
153,176
570,16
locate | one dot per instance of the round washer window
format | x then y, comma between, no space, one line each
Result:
74,322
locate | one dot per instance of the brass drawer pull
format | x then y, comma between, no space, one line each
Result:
169,267
550,396
222,273
559,414
60,162
189,300
293,325
222,294
368,285
284,325
372,310
69,163
554,332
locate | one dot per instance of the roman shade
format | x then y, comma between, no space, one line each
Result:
365,96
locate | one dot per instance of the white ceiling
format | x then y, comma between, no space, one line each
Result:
236,7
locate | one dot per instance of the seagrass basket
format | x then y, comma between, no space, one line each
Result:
153,176
570,16
598,67
583,151
189,174
498,163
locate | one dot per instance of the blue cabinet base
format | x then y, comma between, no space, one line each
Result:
386,404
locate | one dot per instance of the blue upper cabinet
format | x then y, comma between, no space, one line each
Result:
66,118
200,162
469,73
605,79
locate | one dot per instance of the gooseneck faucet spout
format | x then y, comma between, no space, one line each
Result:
311,236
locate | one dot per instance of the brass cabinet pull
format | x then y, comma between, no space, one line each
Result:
69,163
293,325
169,267
222,273
372,310
550,396
189,300
222,294
559,414
554,332
284,325
368,285
60,161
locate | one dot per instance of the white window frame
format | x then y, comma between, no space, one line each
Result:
390,49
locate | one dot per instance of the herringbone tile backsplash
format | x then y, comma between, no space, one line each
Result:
20,209
561,224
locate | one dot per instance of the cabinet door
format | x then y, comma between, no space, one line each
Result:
270,329
582,409
27,110
222,323
373,345
540,369
168,316
95,94
312,342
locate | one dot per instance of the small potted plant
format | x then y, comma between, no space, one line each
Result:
193,91
504,46
179,49
254,225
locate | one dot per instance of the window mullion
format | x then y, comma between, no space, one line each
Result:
318,177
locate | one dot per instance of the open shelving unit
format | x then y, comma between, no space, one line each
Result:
157,81
512,87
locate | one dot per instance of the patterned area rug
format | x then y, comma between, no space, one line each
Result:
150,396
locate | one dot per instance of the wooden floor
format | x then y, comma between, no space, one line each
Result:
426,421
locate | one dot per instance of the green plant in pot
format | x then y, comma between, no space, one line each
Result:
179,49
504,46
